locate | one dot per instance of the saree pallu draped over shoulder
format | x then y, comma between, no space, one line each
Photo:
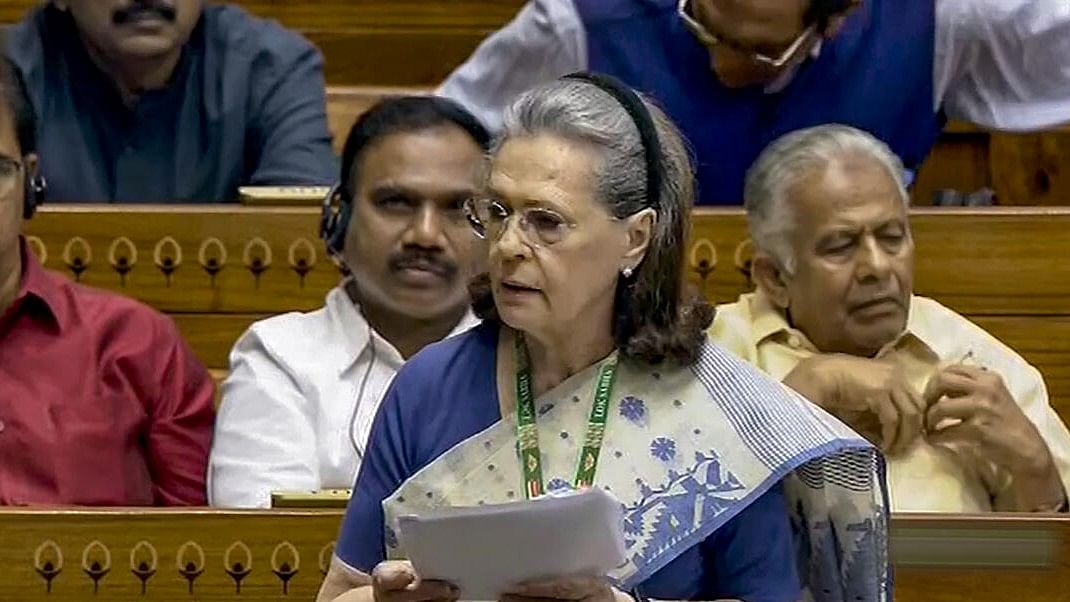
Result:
685,450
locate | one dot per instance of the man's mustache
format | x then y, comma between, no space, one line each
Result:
423,259
164,9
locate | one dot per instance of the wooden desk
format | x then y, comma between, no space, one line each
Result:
282,555
965,559
182,555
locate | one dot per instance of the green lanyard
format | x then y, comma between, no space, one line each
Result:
527,431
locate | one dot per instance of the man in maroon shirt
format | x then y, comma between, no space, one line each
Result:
101,402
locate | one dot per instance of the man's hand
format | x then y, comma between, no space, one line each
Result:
971,410
397,581
574,589
871,396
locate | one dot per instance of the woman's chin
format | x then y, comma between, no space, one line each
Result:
521,319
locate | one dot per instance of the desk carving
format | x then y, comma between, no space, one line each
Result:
144,561
122,256
285,563
96,562
168,257
190,562
238,563
48,562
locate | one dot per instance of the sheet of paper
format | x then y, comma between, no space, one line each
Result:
485,549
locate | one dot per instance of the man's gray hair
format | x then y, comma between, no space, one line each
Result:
788,160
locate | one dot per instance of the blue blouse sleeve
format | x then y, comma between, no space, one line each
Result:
441,396
752,557
384,468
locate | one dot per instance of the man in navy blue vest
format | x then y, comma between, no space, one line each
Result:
737,74
170,100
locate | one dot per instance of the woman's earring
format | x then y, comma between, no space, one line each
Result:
626,272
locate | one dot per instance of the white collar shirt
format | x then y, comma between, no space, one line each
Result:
298,404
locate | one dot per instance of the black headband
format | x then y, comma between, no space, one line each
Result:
648,133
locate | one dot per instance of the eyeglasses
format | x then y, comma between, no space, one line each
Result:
539,227
708,39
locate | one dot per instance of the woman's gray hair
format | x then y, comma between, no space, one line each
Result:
788,160
653,319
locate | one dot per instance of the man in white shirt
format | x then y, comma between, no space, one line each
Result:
304,387
737,74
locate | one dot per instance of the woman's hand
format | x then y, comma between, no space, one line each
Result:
397,581
587,589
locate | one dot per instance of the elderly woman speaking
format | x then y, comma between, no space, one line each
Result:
592,355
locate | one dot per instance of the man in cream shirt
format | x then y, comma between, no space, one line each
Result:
964,421
304,387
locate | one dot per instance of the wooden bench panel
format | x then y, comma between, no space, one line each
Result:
282,555
376,42
964,559
346,104
275,555
981,262
212,335
473,15
1003,268
1044,341
264,250
1032,169
386,58
993,261
1022,169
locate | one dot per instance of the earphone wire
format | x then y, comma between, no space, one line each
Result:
360,396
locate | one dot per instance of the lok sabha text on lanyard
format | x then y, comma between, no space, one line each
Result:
527,430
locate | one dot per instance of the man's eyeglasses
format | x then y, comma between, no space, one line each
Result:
710,40
539,227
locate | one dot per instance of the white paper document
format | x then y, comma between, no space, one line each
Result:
484,550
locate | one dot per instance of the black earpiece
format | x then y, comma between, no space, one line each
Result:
821,12
334,219
33,196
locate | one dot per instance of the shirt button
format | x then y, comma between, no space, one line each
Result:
794,341
1,426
